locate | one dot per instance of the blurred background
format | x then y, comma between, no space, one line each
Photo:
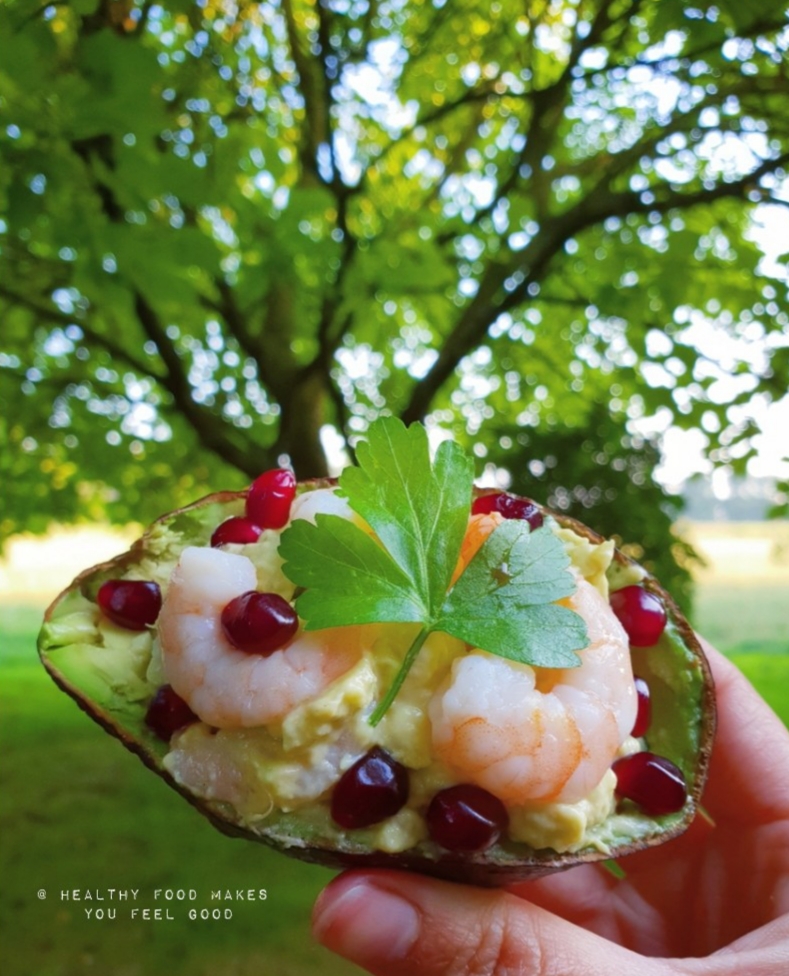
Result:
232,233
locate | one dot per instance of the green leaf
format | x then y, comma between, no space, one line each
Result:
614,868
504,602
348,577
418,510
84,7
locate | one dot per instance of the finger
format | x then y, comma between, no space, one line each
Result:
390,923
749,772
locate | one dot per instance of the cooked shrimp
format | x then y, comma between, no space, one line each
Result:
228,688
321,501
537,735
247,767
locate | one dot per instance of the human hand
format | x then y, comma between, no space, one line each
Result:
713,902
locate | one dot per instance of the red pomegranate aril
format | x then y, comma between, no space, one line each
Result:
131,604
259,623
641,613
644,713
466,818
238,530
372,790
167,713
269,498
652,782
509,506
485,503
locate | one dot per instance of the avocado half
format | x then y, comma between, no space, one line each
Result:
104,671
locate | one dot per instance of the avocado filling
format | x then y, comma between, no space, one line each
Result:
302,766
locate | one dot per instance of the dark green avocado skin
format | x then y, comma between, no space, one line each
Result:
683,730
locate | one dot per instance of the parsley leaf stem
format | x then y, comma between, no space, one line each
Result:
402,674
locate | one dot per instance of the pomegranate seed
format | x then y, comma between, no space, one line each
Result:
237,529
374,788
133,604
270,497
641,613
259,623
167,713
466,818
510,506
644,713
651,781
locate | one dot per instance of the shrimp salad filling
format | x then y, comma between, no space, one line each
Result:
267,721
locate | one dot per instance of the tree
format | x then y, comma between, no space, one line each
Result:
233,225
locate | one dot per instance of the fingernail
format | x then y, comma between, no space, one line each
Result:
366,924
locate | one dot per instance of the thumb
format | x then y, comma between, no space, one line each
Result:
390,923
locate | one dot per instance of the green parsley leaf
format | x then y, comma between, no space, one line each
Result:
614,868
417,509
347,576
504,602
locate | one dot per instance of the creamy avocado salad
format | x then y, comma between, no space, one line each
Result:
432,735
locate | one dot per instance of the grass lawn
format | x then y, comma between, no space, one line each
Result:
78,811
750,624
744,619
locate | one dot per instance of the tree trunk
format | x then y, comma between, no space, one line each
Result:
303,415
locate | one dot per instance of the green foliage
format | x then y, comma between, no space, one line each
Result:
225,226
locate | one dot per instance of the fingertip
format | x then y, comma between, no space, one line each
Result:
370,925
330,894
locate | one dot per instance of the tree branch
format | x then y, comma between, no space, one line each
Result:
756,29
470,96
314,130
101,340
491,301
236,322
599,207
145,13
601,21
212,432
330,73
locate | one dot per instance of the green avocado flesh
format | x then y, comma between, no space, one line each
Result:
105,668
